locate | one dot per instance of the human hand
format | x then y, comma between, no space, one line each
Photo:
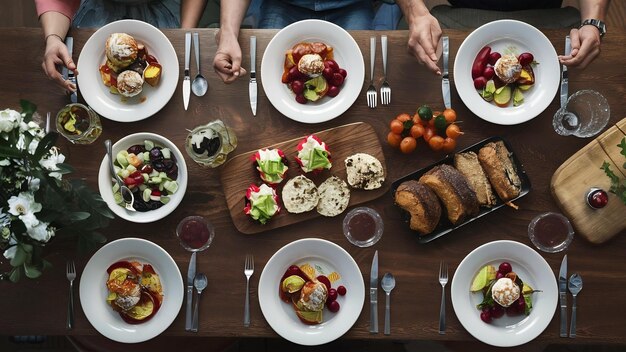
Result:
585,47
56,54
227,61
424,38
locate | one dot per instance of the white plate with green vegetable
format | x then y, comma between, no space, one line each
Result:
508,330
158,193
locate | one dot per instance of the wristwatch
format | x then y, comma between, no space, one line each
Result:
596,23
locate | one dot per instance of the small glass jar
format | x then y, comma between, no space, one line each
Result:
363,226
210,144
550,232
195,233
78,123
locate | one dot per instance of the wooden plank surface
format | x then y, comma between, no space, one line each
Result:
342,141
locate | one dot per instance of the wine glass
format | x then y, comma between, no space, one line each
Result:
586,113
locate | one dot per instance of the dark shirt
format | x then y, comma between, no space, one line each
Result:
506,5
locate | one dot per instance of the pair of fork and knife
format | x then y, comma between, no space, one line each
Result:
574,285
388,283
385,89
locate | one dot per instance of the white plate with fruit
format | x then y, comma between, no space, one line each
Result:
518,323
506,72
113,106
311,291
316,84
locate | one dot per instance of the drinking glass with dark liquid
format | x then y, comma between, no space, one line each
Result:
363,226
551,232
195,233
79,124
210,144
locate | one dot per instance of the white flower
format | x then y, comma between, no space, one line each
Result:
33,184
10,253
29,220
23,204
9,119
51,161
40,232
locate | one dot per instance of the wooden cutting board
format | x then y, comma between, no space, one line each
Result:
572,180
239,172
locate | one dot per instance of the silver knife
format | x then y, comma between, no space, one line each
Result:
67,74
563,296
186,80
445,79
374,295
191,274
564,78
252,89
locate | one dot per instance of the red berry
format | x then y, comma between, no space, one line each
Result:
331,64
146,169
333,91
598,199
297,87
479,82
333,306
485,316
495,56
343,72
328,73
323,279
332,294
295,74
499,275
337,79
129,181
488,72
341,290
301,99
525,59
505,268
496,311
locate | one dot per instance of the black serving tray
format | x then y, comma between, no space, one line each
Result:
445,226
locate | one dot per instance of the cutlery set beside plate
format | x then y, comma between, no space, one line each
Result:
315,252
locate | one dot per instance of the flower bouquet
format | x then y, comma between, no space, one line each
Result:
36,204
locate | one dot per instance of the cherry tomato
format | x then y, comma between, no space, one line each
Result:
417,131
408,145
429,132
403,117
418,121
394,139
453,131
436,143
449,144
396,126
450,115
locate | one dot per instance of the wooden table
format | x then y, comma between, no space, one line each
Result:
39,306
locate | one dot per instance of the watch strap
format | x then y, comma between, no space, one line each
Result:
599,24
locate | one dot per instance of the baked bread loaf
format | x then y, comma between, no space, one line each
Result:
496,161
121,50
469,166
454,192
421,203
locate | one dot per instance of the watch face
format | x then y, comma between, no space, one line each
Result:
596,23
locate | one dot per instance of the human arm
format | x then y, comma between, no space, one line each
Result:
586,40
424,33
191,12
227,62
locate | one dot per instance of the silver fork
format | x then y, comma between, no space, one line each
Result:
70,272
443,280
248,270
371,91
385,90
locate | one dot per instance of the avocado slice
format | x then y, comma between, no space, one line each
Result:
518,97
311,95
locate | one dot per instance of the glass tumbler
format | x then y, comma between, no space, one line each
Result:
586,113
210,144
78,123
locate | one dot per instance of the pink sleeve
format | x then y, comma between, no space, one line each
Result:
66,7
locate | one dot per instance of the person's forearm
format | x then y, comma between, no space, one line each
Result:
593,9
191,12
54,24
412,9
231,15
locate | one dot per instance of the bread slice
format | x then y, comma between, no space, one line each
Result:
454,192
501,172
421,203
468,164
300,195
334,196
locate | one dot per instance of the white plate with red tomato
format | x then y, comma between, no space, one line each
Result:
285,86
152,99
326,257
93,290
475,64
508,330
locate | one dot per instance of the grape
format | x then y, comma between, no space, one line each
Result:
328,73
343,72
333,91
337,79
495,56
323,279
485,316
341,290
332,294
505,268
331,64
297,87
301,99
488,72
499,275
479,82
294,74
333,306
293,270
525,59
496,311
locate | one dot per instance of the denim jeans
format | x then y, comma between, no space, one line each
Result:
350,15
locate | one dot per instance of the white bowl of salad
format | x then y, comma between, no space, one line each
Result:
153,168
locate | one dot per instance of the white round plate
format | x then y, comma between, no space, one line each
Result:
504,36
93,291
151,99
105,179
347,54
531,268
328,256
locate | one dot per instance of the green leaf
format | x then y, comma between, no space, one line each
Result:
9,152
45,144
20,256
76,216
28,109
65,168
31,271
16,274
622,145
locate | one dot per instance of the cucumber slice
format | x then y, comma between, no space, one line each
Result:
166,153
171,186
142,187
146,194
154,173
146,155
148,144
116,188
155,180
117,197
131,168
121,158
165,200
145,177
124,173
